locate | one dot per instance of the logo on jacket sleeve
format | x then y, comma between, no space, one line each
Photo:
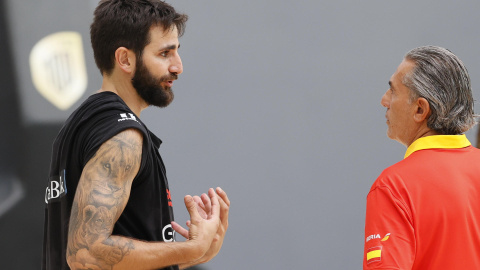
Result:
371,237
374,254
377,236
386,237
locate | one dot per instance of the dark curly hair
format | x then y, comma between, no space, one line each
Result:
126,23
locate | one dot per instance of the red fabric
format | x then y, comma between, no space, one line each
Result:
429,203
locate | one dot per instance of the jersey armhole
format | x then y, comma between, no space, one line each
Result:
113,131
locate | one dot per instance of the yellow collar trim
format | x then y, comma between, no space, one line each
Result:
438,142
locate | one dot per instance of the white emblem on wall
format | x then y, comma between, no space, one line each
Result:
57,64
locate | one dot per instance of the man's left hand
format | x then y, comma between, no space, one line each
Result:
204,208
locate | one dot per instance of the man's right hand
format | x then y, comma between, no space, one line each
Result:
203,225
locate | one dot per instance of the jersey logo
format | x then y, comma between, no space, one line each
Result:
371,237
168,233
56,188
385,238
377,236
169,197
126,117
374,254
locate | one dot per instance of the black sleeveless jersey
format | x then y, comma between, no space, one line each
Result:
148,213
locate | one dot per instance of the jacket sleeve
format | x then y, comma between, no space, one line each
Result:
389,232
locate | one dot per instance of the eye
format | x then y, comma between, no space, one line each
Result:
106,166
127,168
164,53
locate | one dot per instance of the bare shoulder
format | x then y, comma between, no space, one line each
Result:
107,176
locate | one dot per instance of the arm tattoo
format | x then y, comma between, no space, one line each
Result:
101,196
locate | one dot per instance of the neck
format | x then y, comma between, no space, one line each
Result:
424,132
124,89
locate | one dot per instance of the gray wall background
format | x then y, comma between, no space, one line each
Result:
279,104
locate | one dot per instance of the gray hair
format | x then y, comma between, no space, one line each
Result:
442,79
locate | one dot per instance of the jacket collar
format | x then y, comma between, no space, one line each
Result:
438,142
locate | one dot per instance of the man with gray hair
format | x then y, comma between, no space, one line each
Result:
423,212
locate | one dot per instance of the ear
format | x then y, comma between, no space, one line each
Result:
125,59
423,110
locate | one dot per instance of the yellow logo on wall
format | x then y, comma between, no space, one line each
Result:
57,64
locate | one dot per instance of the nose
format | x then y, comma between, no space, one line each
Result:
176,66
385,101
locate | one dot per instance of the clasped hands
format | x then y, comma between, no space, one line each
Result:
208,222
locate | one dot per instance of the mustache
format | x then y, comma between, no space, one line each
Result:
170,77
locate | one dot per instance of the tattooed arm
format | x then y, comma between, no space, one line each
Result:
101,196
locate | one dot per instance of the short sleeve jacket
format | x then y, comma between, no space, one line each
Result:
423,212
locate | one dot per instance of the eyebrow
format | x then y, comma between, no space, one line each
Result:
170,47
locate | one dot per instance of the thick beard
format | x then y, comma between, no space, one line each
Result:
149,87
